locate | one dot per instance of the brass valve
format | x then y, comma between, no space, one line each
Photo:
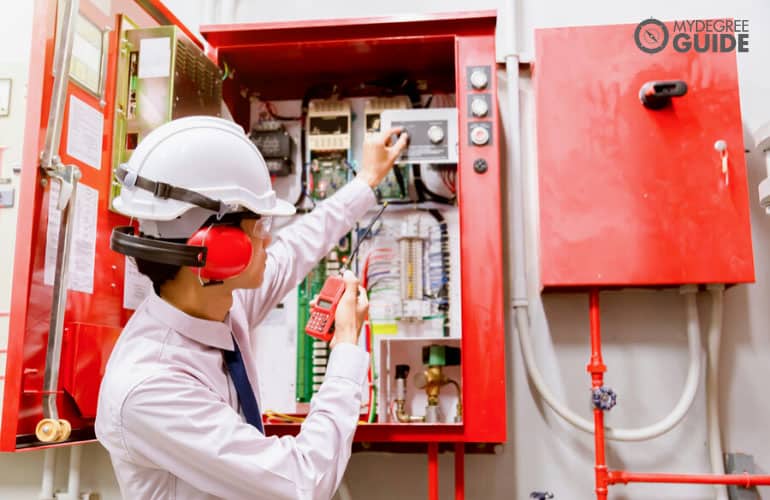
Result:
51,430
434,380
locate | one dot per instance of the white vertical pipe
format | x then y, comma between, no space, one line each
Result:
227,12
49,470
712,387
2,150
516,188
73,479
208,12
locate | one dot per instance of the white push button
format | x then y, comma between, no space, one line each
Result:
479,135
479,106
479,79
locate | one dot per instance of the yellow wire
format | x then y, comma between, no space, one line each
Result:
282,416
270,414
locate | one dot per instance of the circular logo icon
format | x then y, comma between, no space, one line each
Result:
651,36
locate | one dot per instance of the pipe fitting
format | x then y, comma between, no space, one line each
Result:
604,398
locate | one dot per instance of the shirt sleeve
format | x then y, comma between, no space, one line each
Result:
299,246
177,424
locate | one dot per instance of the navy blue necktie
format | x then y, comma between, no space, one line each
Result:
234,362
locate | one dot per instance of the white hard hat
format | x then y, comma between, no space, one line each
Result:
191,168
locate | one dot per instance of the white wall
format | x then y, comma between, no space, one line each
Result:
15,33
645,340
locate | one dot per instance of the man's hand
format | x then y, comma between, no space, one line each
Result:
351,312
379,155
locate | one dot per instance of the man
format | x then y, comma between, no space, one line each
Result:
177,409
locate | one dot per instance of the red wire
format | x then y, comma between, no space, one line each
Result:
445,180
274,114
368,333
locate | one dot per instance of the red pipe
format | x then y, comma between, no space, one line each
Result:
597,368
459,471
745,480
605,477
432,471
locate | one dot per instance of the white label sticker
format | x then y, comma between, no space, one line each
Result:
84,133
83,244
87,47
82,255
136,286
154,57
5,96
52,233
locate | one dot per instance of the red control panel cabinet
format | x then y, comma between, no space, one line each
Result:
633,196
280,60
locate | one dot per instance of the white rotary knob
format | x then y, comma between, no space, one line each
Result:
435,134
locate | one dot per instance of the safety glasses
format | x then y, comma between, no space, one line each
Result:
257,226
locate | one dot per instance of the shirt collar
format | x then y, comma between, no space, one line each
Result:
211,333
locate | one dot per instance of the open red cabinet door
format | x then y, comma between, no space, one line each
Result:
70,126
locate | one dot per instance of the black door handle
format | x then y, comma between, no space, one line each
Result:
657,94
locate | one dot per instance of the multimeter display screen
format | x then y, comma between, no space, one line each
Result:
324,304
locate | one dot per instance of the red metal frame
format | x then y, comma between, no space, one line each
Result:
347,48
245,34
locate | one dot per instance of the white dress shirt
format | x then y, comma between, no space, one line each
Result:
168,412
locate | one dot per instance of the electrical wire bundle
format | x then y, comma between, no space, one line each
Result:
438,267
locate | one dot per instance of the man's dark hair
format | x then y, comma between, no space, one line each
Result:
157,272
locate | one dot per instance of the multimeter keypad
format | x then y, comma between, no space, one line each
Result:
317,321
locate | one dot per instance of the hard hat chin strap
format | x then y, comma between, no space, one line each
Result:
165,191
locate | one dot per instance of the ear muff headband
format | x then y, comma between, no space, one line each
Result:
220,251
124,241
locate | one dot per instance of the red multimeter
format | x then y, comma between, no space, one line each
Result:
321,322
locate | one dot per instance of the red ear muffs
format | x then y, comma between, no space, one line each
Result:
228,251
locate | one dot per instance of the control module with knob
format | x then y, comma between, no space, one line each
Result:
432,133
